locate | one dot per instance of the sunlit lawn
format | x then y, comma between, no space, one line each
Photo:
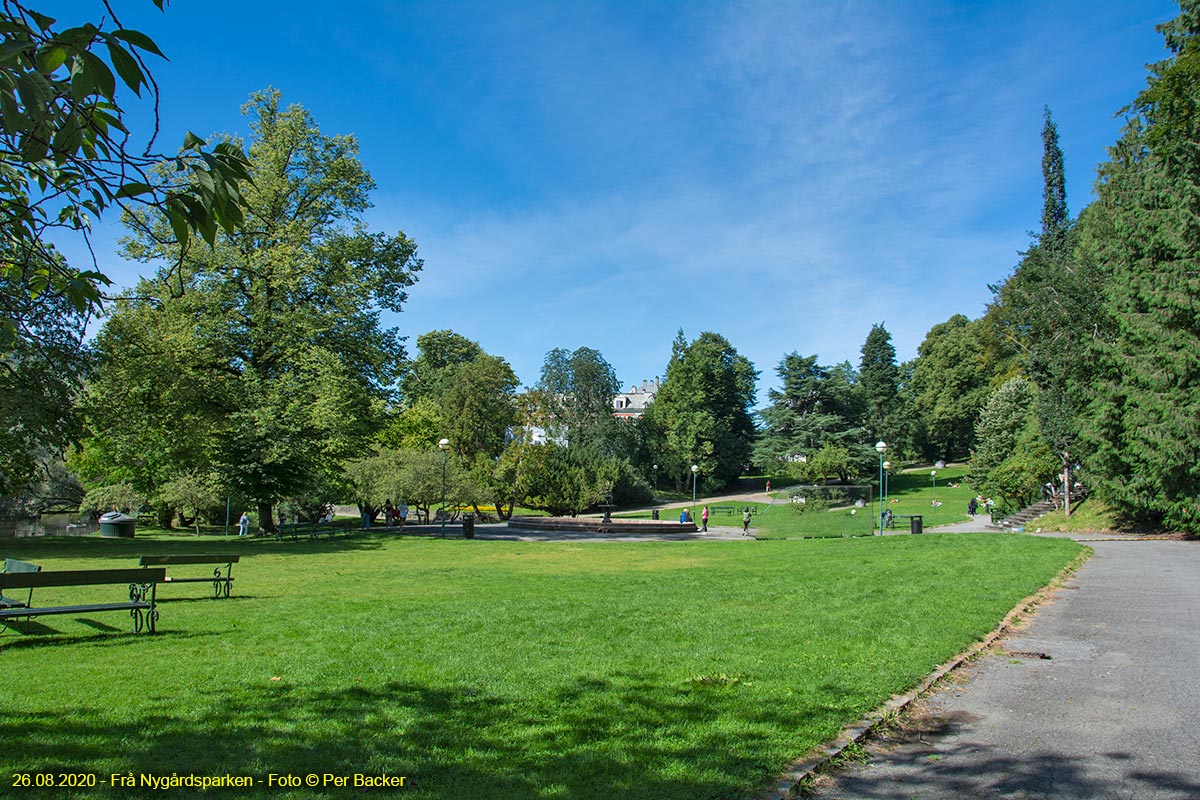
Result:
909,493
485,669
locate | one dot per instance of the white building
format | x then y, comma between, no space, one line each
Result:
632,404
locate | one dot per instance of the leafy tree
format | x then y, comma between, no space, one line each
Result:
439,355
479,408
1011,461
41,374
950,384
68,156
578,388
1143,424
261,359
701,413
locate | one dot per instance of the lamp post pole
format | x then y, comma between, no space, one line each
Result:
933,486
695,472
444,445
881,448
654,475
887,474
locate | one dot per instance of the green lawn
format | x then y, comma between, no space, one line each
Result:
908,493
483,669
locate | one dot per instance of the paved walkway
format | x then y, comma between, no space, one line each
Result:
1110,712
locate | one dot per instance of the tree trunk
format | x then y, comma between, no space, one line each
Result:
266,521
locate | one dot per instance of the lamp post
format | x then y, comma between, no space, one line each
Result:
444,445
887,474
881,448
933,486
695,472
654,477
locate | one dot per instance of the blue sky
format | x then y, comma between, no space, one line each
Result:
603,174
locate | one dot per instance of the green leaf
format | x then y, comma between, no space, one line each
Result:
179,223
97,74
42,20
127,67
10,49
133,189
51,57
138,40
192,142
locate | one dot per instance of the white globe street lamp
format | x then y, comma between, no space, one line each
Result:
695,472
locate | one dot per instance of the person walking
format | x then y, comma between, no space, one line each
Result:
704,520
402,512
244,524
746,521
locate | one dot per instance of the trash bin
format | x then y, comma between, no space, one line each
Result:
654,514
915,524
114,523
468,526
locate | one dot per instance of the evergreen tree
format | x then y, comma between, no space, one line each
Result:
1145,419
879,377
817,407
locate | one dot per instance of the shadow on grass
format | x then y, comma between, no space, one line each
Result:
41,636
593,738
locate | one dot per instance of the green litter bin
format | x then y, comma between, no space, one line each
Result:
114,523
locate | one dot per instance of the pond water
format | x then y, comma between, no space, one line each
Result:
50,525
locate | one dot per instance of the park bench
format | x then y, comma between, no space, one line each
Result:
142,585
730,511
314,530
15,565
222,582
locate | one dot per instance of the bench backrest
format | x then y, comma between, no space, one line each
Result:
14,565
213,558
79,577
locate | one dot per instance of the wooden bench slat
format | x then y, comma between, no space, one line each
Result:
91,608
80,577
196,558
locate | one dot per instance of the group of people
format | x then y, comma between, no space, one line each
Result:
978,500
686,516
395,516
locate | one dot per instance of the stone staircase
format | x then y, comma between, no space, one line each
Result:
1025,515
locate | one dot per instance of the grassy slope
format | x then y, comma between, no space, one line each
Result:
908,493
504,670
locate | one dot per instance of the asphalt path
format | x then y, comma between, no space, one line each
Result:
1096,698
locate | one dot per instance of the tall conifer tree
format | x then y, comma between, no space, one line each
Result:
1145,421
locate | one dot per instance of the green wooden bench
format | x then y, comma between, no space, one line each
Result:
15,565
731,510
222,581
142,585
314,530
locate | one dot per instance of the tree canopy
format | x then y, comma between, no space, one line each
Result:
261,359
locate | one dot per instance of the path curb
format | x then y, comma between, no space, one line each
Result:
791,783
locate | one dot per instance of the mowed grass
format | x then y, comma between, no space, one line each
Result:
486,669
911,492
